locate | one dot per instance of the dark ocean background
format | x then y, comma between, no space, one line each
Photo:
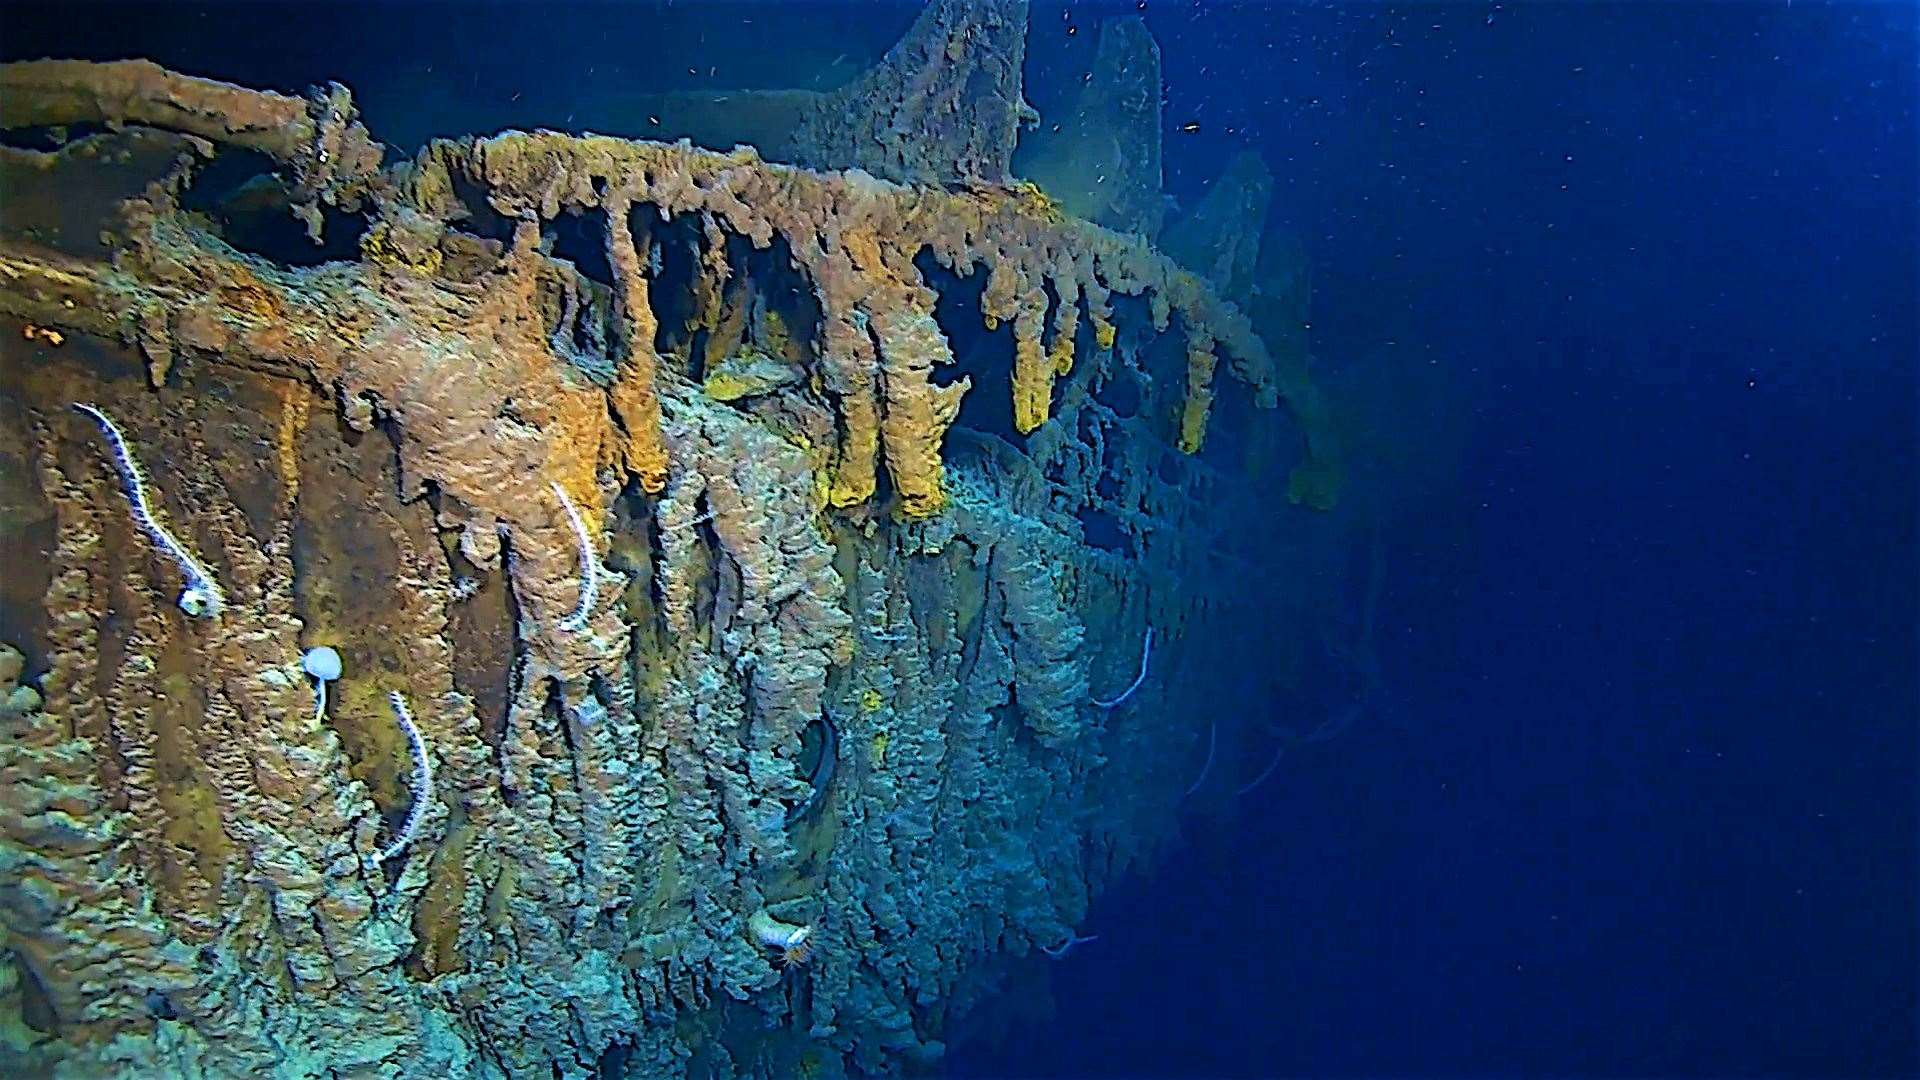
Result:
1630,289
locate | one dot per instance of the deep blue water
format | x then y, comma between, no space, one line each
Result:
1639,798
1643,802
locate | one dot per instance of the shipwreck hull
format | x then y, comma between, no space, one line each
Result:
645,477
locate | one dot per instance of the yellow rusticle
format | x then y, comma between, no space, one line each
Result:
1193,411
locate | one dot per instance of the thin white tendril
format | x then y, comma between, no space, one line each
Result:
1213,734
689,523
589,572
319,700
422,779
1279,752
1328,728
1065,947
1146,650
202,598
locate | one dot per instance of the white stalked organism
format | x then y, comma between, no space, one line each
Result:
322,664
1146,650
202,597
589,568
422,787
793,943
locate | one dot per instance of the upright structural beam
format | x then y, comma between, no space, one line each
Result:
944,104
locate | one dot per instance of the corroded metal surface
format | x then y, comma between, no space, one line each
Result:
686,662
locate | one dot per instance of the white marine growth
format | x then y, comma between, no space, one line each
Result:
422,779
589,570
202,597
